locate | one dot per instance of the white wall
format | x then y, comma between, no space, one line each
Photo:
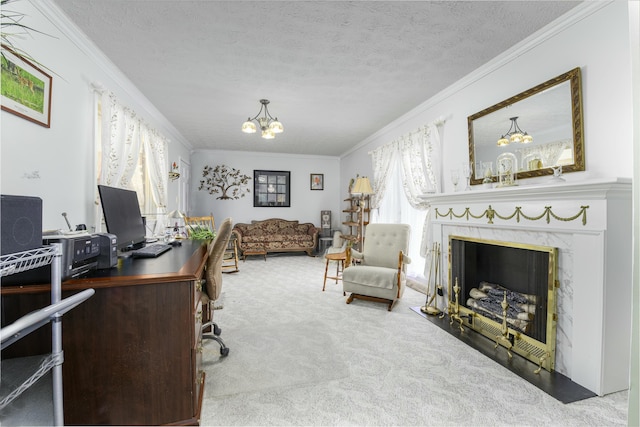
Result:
306,204
63,154
596,40
634,390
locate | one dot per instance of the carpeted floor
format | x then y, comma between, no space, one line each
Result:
300,356
270,356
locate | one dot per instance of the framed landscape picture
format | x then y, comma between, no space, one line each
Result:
317,181
25,88
271,188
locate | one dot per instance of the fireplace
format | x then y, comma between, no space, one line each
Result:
507,292
589,223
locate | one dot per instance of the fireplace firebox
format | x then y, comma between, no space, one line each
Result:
506,292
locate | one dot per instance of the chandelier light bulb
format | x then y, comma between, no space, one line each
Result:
527,138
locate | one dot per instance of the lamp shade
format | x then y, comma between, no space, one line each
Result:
175,214
516,137
503,141
248,127
276,127
362,186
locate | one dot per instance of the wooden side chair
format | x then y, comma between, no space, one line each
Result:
194,224
230,259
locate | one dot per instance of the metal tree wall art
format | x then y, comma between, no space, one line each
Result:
225,180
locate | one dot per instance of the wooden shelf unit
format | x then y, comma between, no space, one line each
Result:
353,219
32,323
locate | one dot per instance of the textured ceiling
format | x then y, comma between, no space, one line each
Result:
334,71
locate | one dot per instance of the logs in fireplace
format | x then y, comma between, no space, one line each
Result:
487,299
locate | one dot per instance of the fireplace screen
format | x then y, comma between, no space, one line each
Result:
507,292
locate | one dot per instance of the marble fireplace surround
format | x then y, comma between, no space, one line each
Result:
590,222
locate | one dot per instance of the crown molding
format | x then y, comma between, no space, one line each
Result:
76,36
265,154
550,30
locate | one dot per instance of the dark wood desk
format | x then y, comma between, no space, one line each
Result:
132,352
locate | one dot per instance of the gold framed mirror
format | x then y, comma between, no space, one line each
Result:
542,127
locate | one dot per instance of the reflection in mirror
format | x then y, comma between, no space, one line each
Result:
542,127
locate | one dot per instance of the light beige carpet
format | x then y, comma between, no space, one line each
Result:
275,356
358,364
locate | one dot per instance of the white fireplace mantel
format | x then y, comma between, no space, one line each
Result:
595,262
597,188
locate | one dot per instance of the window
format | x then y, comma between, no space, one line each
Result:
131,155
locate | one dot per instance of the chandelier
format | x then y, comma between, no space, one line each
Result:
268,124
514,134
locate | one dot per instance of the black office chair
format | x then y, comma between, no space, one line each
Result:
213,285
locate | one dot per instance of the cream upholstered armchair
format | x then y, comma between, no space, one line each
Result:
213,283
380,273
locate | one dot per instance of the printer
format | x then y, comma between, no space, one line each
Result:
80,255
80,252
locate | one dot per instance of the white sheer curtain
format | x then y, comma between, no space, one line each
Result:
395,208
408,168
382,158
133,155
155,149
120,143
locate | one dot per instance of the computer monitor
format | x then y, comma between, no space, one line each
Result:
122,216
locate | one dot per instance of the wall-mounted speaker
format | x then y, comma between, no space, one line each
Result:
20,223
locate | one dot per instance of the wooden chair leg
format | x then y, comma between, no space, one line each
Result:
326,267
390,303
342,263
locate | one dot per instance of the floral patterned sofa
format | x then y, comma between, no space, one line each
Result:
276,235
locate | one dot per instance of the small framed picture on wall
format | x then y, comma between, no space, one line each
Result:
317,181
